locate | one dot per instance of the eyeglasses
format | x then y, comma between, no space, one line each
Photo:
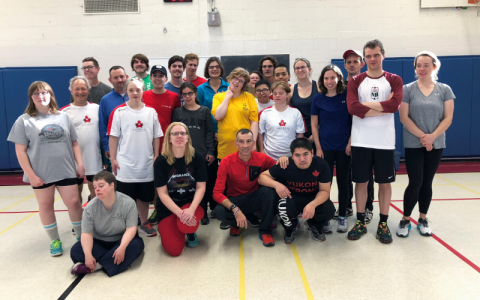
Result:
268,67
42,93
240,80
262,91
182,133
214,67
87,68
189,94
300,68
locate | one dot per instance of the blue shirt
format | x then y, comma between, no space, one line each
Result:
334,119
206,93
108,103
170,87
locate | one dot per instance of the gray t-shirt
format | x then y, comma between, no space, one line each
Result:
96,93
49,144
426,112
110,225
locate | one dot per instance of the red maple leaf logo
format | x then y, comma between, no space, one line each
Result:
315,173
139,124
282,123
87,119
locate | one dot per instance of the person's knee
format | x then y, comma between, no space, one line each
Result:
220,212
384,186
173,250
136,245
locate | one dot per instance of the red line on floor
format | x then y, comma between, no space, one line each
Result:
458,254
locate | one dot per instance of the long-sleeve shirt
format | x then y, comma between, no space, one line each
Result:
109,102
241,177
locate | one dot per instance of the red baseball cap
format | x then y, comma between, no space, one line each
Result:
190,229
356,52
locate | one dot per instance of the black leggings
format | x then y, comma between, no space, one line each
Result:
343,163
421,167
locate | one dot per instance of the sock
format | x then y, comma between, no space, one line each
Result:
361,217
77,227
383,218
98,267
52,231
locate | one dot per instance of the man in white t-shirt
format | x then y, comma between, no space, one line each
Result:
84,116
373,97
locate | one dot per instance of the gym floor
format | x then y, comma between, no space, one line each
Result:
445,266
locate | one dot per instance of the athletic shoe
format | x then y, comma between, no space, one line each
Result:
147,229
252,221
423,227
404,227
153,217
357,231
205,220
80,268
235,231
327,229
342,224
267,240
348,214
315,234
289,237
213,215
192,240
383,233
56,248
224,226
368,216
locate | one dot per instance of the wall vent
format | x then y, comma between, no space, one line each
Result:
111,6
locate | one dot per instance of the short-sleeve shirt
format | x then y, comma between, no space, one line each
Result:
110,225
261,106
303,182
147,82
180,179
49,144
198,81
85,121
175,90
280,129
135,130
334,119
240,112
426,112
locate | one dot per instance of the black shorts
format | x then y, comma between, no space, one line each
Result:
143,191
382,161
89,179
63,182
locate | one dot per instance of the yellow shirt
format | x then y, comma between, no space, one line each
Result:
240,112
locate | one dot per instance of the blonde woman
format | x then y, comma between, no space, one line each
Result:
180,180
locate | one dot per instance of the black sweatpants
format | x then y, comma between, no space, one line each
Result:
290,208
343,163
421,168
262,199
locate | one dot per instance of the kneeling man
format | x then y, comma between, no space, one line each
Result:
303,187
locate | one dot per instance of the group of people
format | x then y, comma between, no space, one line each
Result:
251,148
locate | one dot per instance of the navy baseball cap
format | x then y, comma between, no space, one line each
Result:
159,68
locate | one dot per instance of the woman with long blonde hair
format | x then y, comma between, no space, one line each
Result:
180,180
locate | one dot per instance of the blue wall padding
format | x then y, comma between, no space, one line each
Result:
475,113
4,156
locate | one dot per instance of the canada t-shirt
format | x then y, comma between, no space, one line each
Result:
180,179
280,129
85,121
135,130
303,182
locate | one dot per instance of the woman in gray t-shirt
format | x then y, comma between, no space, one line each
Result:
48,152
426,113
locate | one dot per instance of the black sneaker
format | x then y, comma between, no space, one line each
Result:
205,220
224,226
357,231
315,234
383,233
252,221
289,236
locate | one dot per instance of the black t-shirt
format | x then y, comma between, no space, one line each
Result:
303,182
180,179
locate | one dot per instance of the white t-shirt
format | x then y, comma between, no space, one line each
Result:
262,106
135,130
85,121
280,129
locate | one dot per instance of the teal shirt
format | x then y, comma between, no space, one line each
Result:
205,96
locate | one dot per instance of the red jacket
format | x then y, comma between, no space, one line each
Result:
241,177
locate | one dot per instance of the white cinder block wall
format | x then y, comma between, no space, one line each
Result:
57,33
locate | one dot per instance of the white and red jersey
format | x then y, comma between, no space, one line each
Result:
280,129
85,121
135,130
374,132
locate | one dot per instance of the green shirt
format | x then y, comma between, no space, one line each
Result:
147,83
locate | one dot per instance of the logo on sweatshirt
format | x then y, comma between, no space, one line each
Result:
375,93
87,119
282,123
139,124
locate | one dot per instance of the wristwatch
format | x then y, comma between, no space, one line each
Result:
232,207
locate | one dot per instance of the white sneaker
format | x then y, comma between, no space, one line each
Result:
368,216
404,227
327,229
342,224
423,227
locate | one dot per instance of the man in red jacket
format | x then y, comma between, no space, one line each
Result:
240,171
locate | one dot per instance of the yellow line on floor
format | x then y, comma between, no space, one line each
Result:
242,269
459,185
302,273
3,231
17,203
